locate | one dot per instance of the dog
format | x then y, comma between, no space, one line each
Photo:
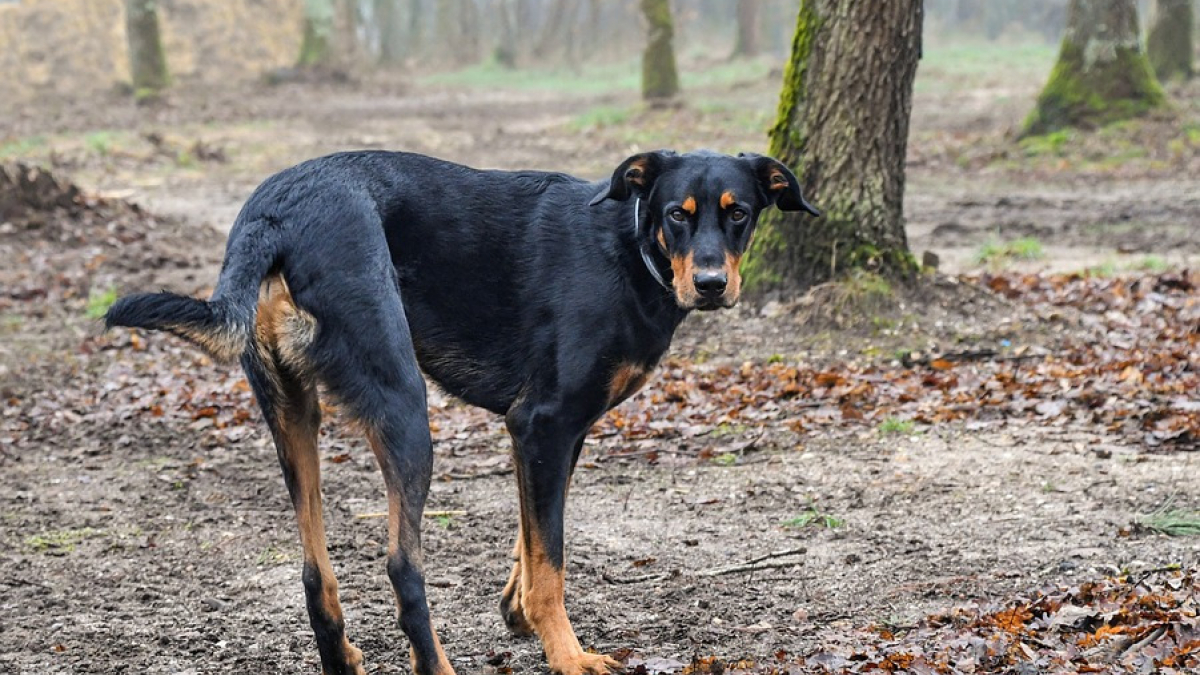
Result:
538,296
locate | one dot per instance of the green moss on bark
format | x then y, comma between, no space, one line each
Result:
660,79
1109,90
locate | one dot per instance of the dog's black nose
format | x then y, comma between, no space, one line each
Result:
710,284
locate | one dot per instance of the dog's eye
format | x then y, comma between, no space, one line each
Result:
677,215
737,215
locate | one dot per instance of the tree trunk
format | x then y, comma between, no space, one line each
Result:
845,136
660,80
505,53
747,28
147,61
316,49
1169,44
1102,75
389,18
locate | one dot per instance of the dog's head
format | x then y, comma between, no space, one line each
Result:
700,211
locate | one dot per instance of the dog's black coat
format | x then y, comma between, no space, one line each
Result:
531,294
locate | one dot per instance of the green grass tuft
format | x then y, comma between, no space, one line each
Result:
814,518
99,302
1173,523
894,426
997,253
59,542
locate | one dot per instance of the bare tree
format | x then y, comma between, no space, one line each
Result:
747,28
1169,44
845,136
660,80
147,60
1102,75
316,48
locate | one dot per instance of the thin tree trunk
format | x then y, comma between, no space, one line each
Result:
845,136
1102,75
1169,45
660,80
391,32
747,28
316,48
147,61
505,54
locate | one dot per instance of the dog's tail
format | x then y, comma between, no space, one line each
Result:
224,324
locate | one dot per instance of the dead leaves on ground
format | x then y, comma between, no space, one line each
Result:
1131,367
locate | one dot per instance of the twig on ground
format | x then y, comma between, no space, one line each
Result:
752,565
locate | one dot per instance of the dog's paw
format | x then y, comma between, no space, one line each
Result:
587,664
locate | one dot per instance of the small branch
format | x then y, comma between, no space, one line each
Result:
736,569
752,565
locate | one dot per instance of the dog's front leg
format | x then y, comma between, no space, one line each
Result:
546,442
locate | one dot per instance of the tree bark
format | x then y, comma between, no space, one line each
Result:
747,28
845,137
147,61
316,48
1169,45
660,80
1102,75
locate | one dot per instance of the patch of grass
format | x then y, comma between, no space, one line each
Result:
775,358
863,285
1173,523
22,146
272,556
600,116
99,302
1192,132
894,426
814,518
59,542
99,142
444,521
999,253
725,459
590,79
1053,144
1104,270
726,429
1152,263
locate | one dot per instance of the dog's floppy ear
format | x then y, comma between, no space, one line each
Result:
779,183
634,177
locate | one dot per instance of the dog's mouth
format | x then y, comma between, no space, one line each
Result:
713,304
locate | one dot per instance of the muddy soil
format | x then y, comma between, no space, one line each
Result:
133,545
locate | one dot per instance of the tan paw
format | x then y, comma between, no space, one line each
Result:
591,664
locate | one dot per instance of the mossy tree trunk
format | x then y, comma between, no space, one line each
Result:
147,61
1169,44
845,137
660,80
747,28
316,48
1102,74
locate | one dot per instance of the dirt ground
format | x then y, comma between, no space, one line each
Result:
141,542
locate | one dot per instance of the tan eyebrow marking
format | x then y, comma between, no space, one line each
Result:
689,205
728,199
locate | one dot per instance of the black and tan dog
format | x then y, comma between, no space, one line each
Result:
538,296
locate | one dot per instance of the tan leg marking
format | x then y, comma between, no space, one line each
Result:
543,589
300,442
628,379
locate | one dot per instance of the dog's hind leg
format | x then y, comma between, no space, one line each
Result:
364,353
288,399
